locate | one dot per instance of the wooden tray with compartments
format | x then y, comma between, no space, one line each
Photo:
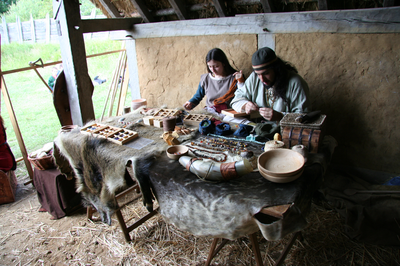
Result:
114,134
90,129
122,136
166,113
195,119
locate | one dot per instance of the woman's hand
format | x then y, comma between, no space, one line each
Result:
239,76
270,114
250,107
188,106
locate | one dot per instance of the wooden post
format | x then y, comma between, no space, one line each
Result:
5,31
33,34
19,30
79,84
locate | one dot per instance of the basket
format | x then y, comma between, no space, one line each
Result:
43,163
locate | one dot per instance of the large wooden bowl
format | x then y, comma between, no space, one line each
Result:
280,163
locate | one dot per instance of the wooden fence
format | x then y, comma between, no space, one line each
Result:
40,30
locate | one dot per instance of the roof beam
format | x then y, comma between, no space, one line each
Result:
109,24
179,7
220,7
322,4
143,10
266,4
110,8
388,3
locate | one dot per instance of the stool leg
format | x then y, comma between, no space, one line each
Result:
89,212
214,251
256,249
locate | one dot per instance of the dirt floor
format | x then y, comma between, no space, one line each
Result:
29,237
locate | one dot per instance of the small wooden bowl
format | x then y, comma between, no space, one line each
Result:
176,151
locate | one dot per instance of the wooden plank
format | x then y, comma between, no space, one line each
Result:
179,7
220,7
48,29
97,25
19,30
133,69
5,35
377,20
15,125
79,84
124,90
110,8
266,4
33,35
143,10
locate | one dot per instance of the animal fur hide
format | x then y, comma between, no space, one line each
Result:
100,168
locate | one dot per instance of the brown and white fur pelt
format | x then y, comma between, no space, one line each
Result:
100,169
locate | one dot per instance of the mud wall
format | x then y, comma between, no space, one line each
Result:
354,79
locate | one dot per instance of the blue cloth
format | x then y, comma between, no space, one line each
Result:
395,181
206,126
243,130
223,129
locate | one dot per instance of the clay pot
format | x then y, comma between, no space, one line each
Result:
273,144
302,150
138,103
169,123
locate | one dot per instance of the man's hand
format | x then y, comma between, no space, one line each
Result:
270,114
250,107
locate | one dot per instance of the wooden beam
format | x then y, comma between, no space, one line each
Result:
78,82
179,7
322,4
112,11
376,20
266,4
109,24
143,10
220,7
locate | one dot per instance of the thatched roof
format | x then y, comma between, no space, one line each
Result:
167,10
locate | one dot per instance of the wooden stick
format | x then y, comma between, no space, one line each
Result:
15,126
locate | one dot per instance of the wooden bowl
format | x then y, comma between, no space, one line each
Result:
280,163
176,151
282,179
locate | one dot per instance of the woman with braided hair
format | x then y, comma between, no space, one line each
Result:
219,84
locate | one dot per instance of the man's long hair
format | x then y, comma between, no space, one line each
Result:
282,69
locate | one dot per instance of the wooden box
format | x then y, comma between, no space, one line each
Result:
8,187
233,113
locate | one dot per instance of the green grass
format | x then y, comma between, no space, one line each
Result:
30,98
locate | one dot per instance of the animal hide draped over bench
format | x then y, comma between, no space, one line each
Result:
100,168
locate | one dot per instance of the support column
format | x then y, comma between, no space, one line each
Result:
79,85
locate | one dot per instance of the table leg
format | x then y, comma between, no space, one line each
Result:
287,248
256,248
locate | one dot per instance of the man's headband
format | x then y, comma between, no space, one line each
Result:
264,66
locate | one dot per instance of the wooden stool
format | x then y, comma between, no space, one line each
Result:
126,229
256,249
